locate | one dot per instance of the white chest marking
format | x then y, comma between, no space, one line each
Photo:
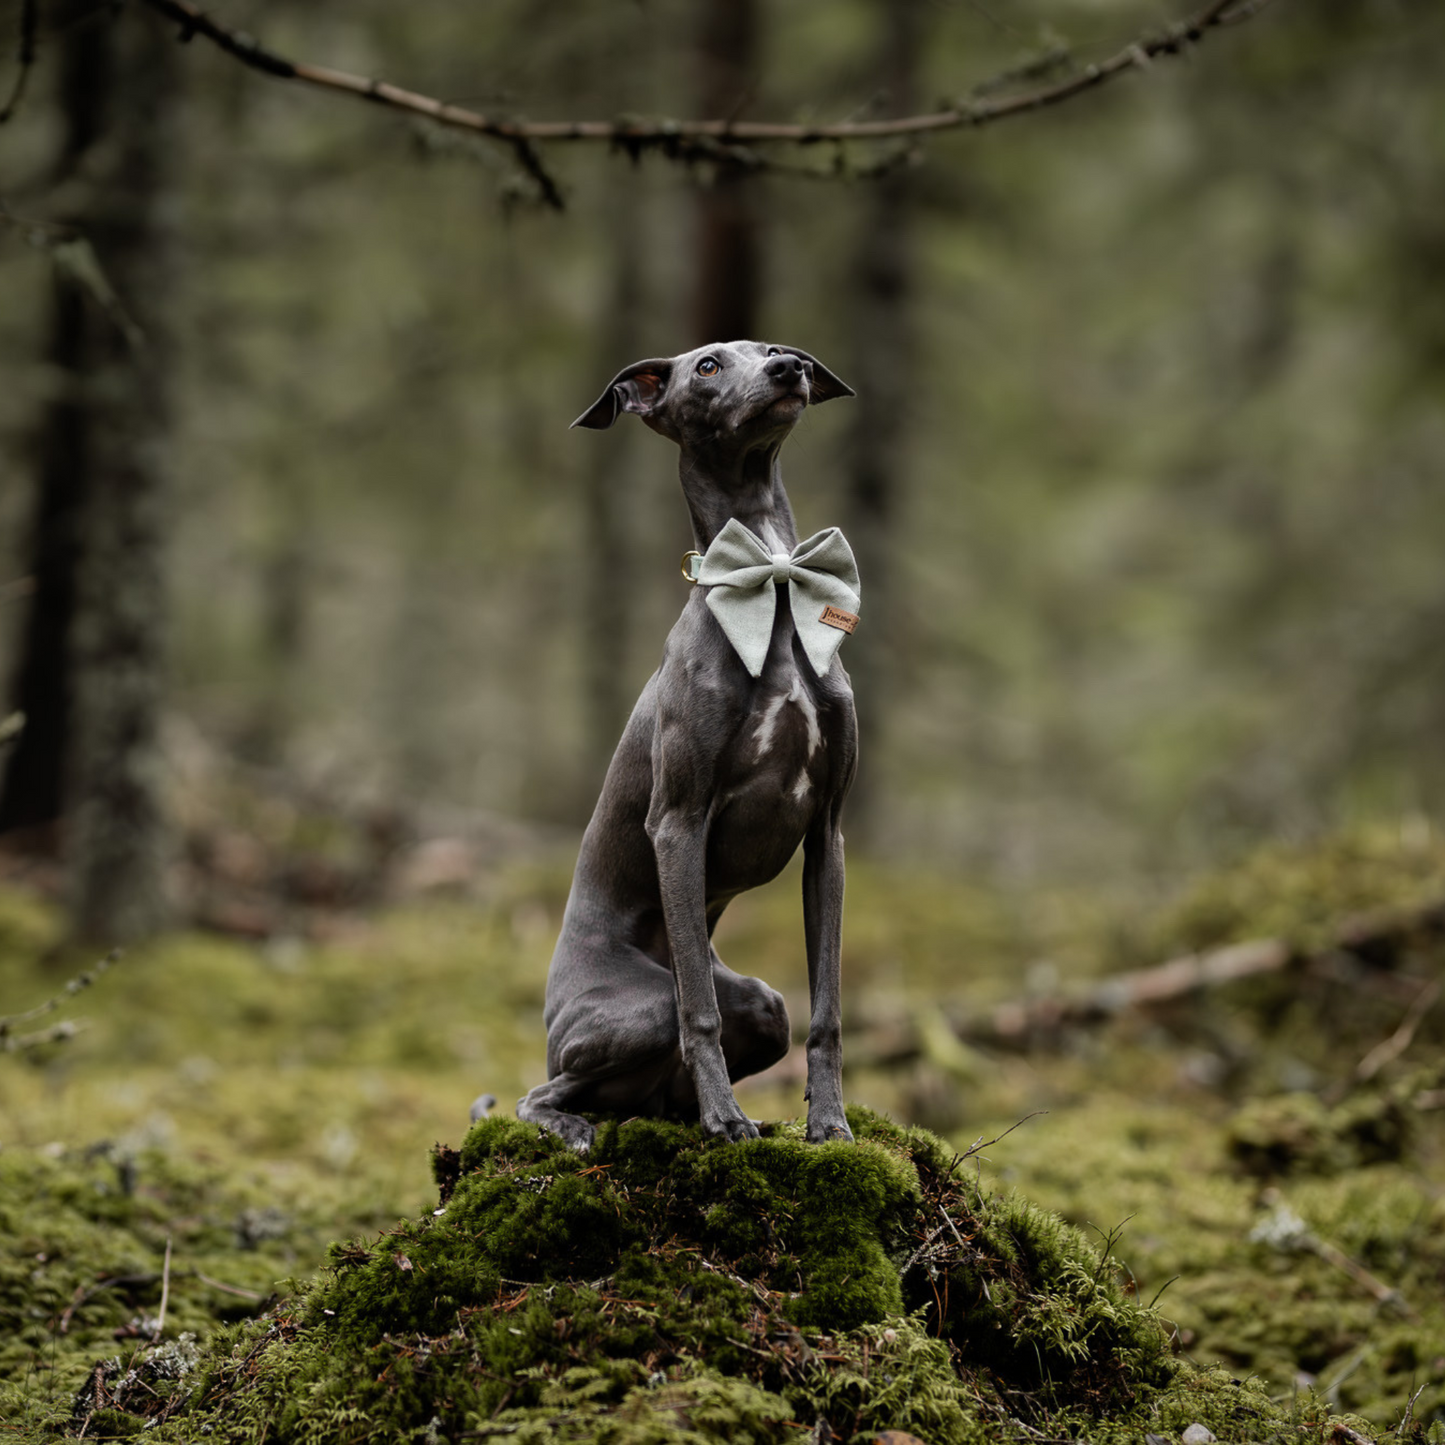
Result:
768,724
799,694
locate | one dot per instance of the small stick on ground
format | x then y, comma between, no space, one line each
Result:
1390,1049
234,1289
1383,1293
165,1291
1409,1410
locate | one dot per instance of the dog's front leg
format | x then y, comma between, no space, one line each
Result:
823,872
679,839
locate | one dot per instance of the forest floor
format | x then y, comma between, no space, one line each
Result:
1265,1159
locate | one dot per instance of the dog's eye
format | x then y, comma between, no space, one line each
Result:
707,367
775,351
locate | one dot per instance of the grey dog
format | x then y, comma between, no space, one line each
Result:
719,776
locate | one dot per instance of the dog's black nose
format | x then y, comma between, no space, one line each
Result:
784,367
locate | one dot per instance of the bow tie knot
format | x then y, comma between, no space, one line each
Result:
739,571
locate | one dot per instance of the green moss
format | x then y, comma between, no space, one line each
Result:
1298,1133
115,1425
1301,893
83,1240
28,930
1235,1263
666,1281
667,1288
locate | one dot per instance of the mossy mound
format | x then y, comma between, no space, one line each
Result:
669,1287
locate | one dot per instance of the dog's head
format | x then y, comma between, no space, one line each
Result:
747,390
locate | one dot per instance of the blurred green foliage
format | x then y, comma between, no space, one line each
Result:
1167,516
1168,538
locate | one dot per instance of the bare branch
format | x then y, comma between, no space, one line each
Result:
11,1042
55,1034
531,162
980,1143
698,139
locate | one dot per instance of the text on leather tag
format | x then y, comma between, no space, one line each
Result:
836,617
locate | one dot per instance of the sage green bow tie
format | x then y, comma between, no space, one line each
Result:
822,576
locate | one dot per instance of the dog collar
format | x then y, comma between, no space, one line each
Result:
739,572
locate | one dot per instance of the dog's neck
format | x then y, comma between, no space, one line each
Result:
743,483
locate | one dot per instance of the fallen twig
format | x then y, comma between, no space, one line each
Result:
1382,1293
83,1295
1390,1049
1284,1230
1404,1425
1027,1023
1019,1021
165,1292
225,1288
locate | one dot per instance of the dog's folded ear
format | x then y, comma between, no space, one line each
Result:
635,388
822,384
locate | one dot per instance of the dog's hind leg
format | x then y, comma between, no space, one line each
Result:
755,1028
540,1107
639,1088
610,1050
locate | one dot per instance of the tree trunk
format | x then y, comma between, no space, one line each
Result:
881,370
32,795
729,271
93,656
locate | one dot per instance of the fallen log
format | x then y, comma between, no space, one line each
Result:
1375,938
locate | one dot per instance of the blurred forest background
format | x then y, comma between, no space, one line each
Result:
1144,470
310,602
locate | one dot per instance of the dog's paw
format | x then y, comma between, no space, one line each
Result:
575,1133
734,1128
829,1130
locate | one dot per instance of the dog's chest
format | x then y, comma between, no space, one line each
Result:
775,771
781,740
776,776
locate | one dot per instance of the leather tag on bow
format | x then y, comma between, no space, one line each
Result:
836,617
